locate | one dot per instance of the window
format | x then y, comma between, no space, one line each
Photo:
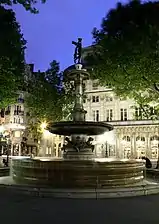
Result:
17,134
123,114
155,137
95,115
153,111
95,85
109,98
17,109
84,86
7,111
140,138
126,138
109,115
18,120
2,113
138,113
95,99
108,85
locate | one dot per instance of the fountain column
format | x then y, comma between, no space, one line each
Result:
78,112
79,146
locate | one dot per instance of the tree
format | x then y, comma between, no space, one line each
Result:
27,4
12,45
47,99
126,49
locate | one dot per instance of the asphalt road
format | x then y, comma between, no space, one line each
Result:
27,210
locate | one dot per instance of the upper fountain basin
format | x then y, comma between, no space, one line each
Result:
68,128
72,72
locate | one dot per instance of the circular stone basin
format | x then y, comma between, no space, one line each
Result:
71,73
68,128
60,173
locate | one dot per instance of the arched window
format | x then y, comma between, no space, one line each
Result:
126,138
155,137
140,138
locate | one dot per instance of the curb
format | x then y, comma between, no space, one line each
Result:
142,190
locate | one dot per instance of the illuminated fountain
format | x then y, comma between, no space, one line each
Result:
78,168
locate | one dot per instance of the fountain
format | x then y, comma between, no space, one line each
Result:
78,168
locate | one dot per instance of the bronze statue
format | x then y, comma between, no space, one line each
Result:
78,50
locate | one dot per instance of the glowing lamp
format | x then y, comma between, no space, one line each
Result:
43,125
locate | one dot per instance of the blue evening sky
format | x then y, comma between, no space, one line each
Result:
49,34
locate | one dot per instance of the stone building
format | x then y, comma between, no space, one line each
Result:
131,138
15,138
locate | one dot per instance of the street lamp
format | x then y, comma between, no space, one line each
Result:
43,125
1,129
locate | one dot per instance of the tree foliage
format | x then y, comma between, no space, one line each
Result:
12,45
126,49
47,99
29,5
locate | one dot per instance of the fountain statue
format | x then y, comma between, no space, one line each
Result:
78,168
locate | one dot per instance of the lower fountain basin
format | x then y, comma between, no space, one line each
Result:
68,128
60,173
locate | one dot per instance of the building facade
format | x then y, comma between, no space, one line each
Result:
16,139
131,138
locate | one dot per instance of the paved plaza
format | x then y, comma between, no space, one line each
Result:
28,209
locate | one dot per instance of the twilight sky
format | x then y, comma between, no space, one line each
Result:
50,33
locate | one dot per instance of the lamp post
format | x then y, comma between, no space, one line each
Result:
1,136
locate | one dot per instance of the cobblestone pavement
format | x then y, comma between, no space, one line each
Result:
27,210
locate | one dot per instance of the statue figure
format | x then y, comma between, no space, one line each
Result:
78,50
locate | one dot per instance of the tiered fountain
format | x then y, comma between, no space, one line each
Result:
78,168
